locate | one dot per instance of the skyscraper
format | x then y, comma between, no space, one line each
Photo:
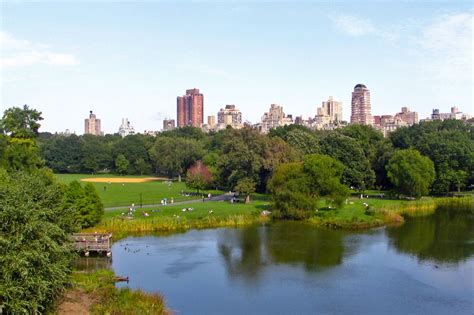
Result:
92,125
361,108
190,109
168,124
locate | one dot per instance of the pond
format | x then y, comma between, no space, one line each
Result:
426,266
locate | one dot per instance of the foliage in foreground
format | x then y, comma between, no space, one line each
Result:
111,300
35,249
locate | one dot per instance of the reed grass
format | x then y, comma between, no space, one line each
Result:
100,287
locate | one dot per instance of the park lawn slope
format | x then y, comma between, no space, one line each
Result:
125,194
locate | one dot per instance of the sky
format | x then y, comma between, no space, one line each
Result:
129,59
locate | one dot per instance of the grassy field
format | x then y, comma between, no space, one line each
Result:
173,218
124,194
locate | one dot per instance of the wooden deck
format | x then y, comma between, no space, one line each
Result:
93,242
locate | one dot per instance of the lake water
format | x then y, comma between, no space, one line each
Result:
426,266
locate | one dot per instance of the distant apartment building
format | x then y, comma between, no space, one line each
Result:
92,125
410,118
361,106
389,123
168,124
190,109
454,114
211,121
274,118
229,116
330,111
329,115
126,128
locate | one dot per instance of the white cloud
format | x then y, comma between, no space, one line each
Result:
445,46
353,26
17,52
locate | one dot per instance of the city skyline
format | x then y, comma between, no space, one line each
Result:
120,66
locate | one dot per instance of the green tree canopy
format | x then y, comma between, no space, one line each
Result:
121,164
174,155
296,187
21,122
410,172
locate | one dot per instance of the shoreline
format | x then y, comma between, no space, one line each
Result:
384,213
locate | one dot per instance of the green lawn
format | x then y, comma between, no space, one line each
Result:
118,194
200,210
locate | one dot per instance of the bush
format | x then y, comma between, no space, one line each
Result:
35,249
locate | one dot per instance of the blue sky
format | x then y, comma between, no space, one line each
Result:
133,59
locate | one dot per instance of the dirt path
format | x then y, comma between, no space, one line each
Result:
75,302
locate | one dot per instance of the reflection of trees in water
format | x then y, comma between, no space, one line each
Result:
290,243
444,237
92,263
247,251
241,250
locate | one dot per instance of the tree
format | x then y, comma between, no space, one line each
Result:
242,155
96,154
121,164
85,204
35,247
410,172
198,176
63,154
245,187
21,154
296,187
173,156
21,122
449,144
142,166
358,172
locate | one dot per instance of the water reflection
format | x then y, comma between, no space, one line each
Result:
246,252
92,263
444,237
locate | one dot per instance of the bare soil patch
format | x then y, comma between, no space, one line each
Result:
77,302
122,180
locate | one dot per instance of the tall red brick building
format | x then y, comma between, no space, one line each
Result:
190,109
361,107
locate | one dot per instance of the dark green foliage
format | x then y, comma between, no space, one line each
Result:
96,154
242,155
121,164
172,156
85,204
410,173
358,172
63,154
135,149
35,249
299,137
296,187
21,154
449,144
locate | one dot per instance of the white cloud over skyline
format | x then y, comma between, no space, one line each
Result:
19,53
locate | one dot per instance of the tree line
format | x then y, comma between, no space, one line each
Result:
234,155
